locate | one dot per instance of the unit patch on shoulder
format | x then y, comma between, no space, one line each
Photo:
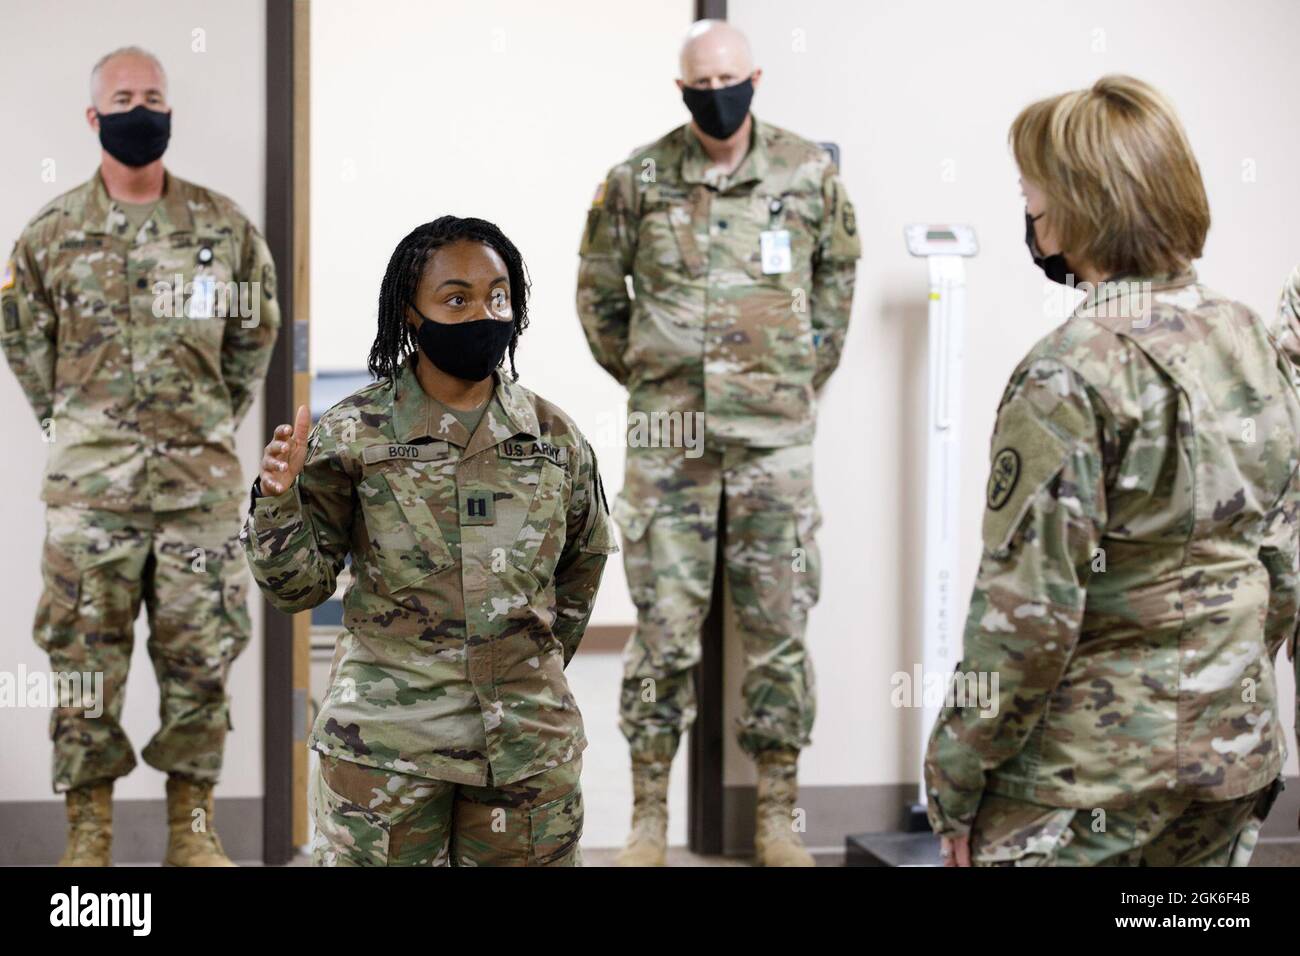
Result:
1030,454
1003,477
599,198
7,280
520,450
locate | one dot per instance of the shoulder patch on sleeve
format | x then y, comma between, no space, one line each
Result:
1003,477
598,533
1027,455
7,280
596,235
844,240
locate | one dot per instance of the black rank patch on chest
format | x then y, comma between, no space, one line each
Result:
477,507
523,449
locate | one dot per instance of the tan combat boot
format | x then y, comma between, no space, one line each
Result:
191,840
647,845
775,841
90,826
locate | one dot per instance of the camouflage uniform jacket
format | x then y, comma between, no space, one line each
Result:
1139,569
1288,319
452,662
706,330
140,352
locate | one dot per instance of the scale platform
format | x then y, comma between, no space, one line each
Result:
945,246
892,849
915,846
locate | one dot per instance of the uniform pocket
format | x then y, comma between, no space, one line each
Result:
537,545
1025,835
802,243
555,829
56,613
346,834
62,580
237,626
632,518
808,563
403,536
1025,464
666,246
1243,847
598,536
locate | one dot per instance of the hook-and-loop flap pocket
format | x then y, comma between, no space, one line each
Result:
406,544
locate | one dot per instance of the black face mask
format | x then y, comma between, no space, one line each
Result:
136,137
465,350
719,112
1053,266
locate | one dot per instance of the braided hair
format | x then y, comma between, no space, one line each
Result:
395,339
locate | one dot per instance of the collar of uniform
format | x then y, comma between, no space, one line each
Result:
510,413
172,214
413,410
1097,302
413,413
753,168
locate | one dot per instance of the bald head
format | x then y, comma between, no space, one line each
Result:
715,54
126,78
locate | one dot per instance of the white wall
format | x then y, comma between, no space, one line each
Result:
504,110
920,95
218,139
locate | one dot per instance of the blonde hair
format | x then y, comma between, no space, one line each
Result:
1124,190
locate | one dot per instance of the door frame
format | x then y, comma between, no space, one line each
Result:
285,646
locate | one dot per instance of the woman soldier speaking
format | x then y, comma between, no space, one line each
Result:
473,513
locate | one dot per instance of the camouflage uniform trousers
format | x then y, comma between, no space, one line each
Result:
671,510
1157,830
188,569
366,816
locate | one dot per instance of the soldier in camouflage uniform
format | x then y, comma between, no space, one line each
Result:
1287,332
741,246
138,331
1139,570
476,525
1287,328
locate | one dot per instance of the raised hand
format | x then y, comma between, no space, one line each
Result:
284,456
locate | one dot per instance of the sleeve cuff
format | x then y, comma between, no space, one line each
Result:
270,510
